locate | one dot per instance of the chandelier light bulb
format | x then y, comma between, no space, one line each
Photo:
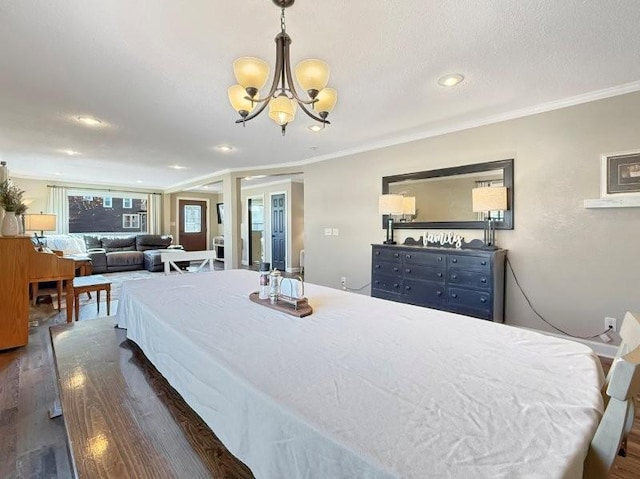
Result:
327,99
238,98
282,110
312,75
251,73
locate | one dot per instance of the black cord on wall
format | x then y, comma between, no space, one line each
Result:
513,273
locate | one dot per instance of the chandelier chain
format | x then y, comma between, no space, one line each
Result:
283,27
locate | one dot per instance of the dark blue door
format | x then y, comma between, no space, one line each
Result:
278,232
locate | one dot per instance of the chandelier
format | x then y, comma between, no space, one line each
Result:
282,99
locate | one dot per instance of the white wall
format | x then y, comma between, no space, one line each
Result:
576,265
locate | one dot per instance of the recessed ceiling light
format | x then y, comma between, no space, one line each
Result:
177,167
224,148
138,181
450,80
57,173
89,121
69,152
315,128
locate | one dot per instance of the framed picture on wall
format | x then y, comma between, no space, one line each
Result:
620,174
220,209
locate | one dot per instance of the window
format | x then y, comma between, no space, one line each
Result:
192,219
94,211
131,221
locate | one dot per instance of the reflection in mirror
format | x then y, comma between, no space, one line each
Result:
446,198
443,197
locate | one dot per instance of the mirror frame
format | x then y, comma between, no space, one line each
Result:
505,165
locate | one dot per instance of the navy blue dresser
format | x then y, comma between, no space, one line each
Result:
465,281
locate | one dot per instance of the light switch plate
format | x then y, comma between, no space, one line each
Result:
327,231
336,232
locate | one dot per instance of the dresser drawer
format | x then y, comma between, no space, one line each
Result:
424,258
469,299
382,294
428,273
474,279
476,263
386,254
387,282
423,293
385,267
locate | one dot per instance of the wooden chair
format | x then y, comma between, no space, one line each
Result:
622,386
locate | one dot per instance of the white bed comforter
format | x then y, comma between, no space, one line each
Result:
366,388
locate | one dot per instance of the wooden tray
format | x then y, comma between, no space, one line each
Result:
302,311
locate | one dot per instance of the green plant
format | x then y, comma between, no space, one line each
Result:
21,209
10,196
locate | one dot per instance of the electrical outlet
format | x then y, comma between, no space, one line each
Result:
611,324
343,282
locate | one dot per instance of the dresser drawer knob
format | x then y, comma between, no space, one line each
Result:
454,276
377,253
439,258
395,270
483,263
376,282
407,288
454,260
408,256
483,280
439,275
377,266
396,255
408,270
454,295
396,285
438,293
483,300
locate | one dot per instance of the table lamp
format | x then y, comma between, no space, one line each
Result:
485,200
390,205
408,207
42,222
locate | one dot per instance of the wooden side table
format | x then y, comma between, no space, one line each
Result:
86,284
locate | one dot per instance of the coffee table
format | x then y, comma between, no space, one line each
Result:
87,284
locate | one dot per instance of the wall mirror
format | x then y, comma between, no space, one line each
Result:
443,197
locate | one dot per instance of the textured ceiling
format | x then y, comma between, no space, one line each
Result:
157,72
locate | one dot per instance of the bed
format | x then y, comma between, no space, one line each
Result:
365,387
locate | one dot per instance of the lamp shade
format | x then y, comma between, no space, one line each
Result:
327,99
408,205
489,199
238,98
282,110
251,72
312,74
390,204
41,222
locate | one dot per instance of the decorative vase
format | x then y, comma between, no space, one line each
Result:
9,224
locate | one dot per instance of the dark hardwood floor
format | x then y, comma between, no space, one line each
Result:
34,446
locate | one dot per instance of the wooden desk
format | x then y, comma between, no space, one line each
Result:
20,266
45,266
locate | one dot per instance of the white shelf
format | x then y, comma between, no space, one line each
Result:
622,202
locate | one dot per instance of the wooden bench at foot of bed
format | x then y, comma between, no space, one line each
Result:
122,417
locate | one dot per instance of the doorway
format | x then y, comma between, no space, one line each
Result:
278,231
192,230
255,214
